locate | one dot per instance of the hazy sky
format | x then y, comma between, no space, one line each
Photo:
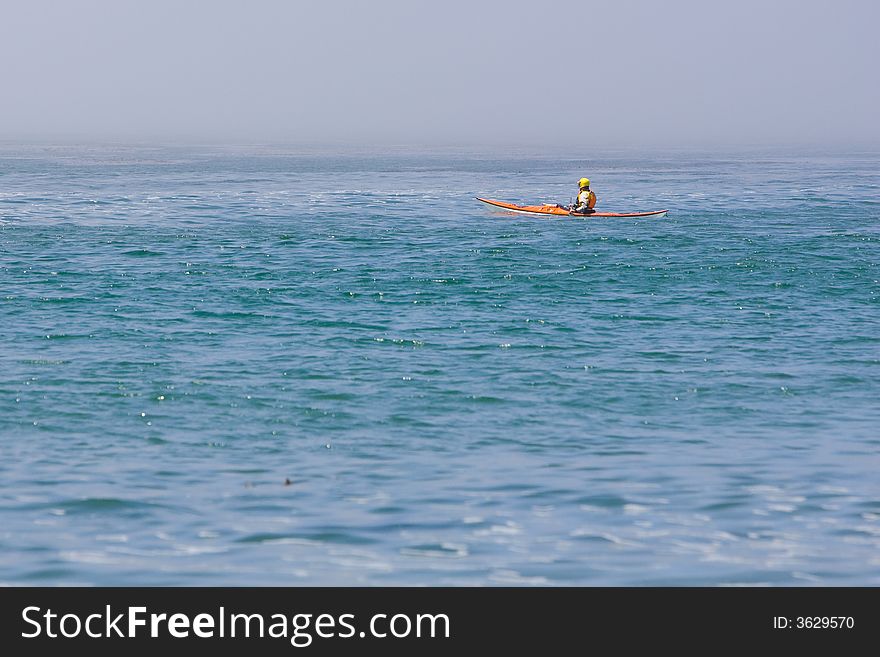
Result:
578,73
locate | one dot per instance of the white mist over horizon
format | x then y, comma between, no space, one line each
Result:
566,74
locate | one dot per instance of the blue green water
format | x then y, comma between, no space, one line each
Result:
456,396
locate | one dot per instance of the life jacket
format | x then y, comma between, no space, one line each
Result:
589,201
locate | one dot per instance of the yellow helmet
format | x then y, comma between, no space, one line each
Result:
584,182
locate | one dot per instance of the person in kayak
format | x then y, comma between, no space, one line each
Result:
586,199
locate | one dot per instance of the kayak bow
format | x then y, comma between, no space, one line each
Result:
559,211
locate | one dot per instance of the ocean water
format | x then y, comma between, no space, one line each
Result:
272,367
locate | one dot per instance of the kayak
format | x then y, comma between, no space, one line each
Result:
561,211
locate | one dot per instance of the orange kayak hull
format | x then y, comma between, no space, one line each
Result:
549,209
